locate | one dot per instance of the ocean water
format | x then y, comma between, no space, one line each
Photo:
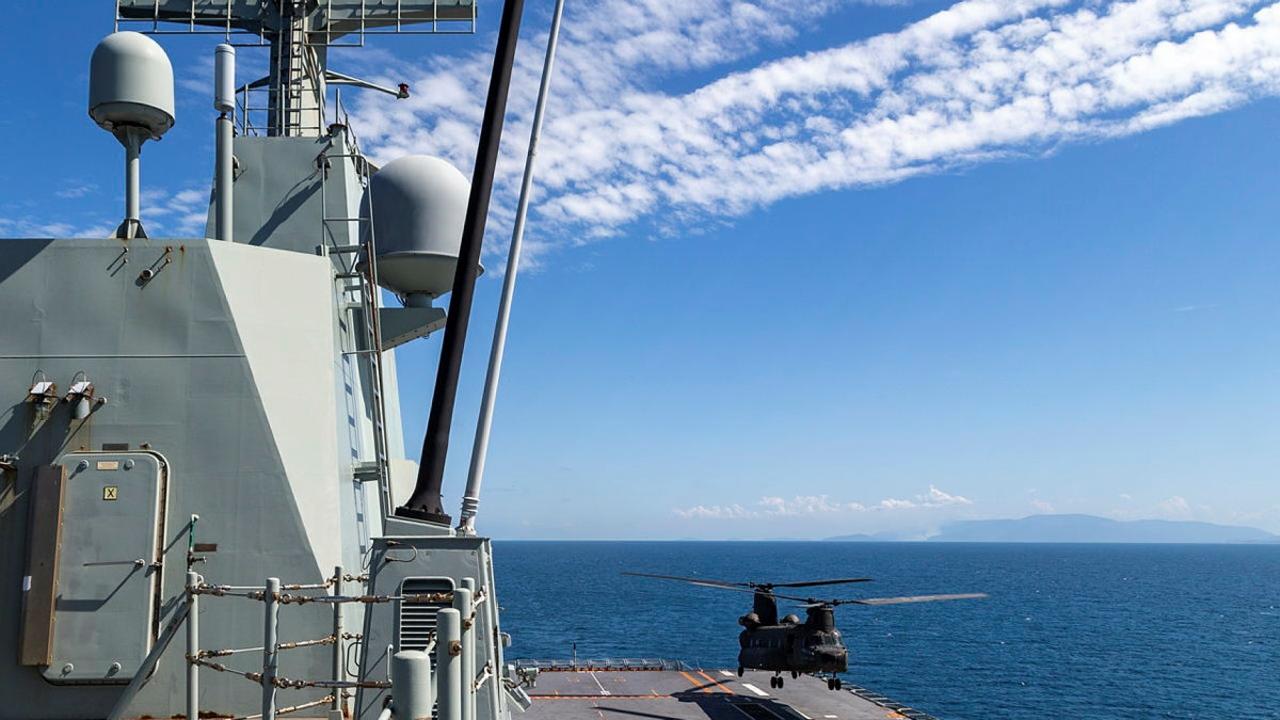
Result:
1070,631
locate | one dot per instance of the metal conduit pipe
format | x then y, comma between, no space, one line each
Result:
449,665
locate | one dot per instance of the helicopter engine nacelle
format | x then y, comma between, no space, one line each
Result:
749,621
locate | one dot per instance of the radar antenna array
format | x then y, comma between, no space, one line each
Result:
299,34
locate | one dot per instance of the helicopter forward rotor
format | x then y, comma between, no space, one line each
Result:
809,602
750,586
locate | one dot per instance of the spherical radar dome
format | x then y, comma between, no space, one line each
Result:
131,84
419,205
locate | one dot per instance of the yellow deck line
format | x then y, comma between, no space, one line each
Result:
716,683
695,683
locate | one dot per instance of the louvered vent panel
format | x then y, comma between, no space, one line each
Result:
418,619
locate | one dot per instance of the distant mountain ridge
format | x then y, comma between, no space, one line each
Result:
1087,529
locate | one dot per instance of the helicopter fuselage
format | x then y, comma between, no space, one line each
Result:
792,647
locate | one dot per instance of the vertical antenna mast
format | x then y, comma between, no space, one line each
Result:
426,503
480,450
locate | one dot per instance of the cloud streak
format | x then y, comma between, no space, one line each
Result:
810,505
982,79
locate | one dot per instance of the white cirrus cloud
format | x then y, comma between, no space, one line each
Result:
982,79
1042,506
771,506
1174,508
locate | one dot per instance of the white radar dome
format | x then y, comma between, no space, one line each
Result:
419,205
131,84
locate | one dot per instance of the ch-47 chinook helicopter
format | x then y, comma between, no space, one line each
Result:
788,645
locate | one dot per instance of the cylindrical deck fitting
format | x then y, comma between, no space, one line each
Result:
411,691
224,101
462,602
193,647
449,664
270,641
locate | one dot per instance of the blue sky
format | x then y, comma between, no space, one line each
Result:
797,273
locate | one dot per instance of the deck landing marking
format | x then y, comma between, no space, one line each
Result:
715,683
602,690
726,673
755,689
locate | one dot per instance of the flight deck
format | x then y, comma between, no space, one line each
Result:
687,693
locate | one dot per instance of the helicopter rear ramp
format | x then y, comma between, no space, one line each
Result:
607,693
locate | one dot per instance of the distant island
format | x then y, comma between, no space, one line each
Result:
1081,529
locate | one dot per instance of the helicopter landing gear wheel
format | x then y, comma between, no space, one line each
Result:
794,674
773,682
740,671
831,683
780,681
839,684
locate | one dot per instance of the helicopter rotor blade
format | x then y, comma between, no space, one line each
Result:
910,599
702,582
815,583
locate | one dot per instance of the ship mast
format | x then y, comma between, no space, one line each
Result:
299,34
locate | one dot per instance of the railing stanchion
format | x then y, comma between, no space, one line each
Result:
193,646
339,667
270,640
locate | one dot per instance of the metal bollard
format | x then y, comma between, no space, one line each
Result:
339,658
270,639
449,664
463,603
411,692
193,647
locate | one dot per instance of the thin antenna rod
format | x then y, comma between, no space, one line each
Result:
425,503
480,450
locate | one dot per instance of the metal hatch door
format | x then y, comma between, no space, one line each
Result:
108,576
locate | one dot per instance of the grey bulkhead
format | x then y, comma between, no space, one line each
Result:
228,366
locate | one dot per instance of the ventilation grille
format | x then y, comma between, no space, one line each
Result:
418,619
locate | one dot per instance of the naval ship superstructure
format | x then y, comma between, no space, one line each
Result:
205,510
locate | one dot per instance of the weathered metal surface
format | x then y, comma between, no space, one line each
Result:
407,553
195,366
109,569
40,584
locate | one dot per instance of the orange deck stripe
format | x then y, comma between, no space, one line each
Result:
694,682
718,685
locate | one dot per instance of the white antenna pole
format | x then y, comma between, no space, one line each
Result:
479,451
224,101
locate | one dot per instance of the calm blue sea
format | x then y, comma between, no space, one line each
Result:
1070,631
